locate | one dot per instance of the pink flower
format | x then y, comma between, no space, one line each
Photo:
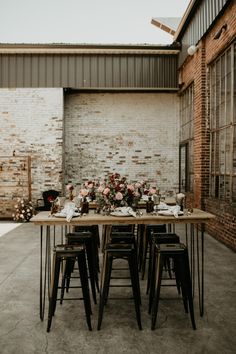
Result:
130,187
152,191
119,196
100,189
138,185
83,192
106,191
89,184
69,187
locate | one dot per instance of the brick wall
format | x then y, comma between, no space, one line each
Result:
216,46
32,125
194,70
135,134
223,228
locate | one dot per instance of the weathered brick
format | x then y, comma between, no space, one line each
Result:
136,132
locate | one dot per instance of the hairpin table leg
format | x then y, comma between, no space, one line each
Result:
44,270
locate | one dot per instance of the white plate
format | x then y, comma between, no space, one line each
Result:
119,213
168,213
60,215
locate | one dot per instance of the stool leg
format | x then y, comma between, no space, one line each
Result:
159,269
177,277
180,274
103,288
70,269
95,261
168,267
85,287
189,289
135,288
152,280
150,266
145,249
57,275
110,259
135,262
92,268
66,278
96,242
140,247
53,293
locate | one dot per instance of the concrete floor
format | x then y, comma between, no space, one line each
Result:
21,330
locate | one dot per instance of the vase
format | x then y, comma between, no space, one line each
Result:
134,204
71,196
150,205
84,206
106,210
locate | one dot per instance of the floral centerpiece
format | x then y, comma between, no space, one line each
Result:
116,191
23,210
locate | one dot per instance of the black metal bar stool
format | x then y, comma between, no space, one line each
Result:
148,230
179,253
159,238
62,253
119,251
108,230
82,238
96,238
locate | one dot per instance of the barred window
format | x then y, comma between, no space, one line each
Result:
223,126
186,172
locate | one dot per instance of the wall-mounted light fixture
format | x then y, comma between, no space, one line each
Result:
220,31
192,49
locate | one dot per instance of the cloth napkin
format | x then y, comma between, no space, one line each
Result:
69,211
175,210
162,206
126,210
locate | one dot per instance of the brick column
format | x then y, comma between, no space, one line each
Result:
201,136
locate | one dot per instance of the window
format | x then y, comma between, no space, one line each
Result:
223,126
186,173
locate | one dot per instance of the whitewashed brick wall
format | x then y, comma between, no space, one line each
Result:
135,134
32,124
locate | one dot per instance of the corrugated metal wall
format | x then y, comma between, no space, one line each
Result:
204,16
89,71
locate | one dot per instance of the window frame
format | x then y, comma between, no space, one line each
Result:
222,94
187,138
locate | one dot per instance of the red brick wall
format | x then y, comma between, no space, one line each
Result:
194,69
223,228
216,46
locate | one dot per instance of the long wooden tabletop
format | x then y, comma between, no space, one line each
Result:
92,218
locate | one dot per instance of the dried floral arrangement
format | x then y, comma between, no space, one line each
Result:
23,210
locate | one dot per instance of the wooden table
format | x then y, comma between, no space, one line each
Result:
195,226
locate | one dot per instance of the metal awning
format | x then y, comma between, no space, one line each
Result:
167,24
